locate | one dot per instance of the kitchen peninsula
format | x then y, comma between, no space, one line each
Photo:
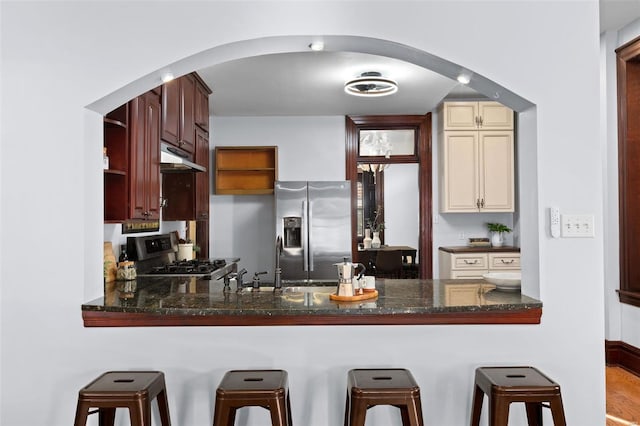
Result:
189,301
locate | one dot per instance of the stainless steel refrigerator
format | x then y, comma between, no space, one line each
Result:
313,220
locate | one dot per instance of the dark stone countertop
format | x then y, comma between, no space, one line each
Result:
469,249
158,301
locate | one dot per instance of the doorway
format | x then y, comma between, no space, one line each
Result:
420,154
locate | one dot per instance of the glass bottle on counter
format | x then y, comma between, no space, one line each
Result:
123,253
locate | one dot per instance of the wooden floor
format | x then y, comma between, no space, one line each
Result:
623,397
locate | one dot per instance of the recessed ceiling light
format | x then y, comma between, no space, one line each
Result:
371,84
316,46
464,78
167,76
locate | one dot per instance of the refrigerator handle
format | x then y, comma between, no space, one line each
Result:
305,238
310,240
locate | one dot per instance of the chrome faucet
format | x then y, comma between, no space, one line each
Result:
238,277
277,279
255,283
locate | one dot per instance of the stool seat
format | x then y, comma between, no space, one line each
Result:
244,388
124,389
504,385
367,388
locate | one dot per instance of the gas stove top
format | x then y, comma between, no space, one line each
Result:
155,255
188,267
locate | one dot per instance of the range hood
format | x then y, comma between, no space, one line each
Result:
173,159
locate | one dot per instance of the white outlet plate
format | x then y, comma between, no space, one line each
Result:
577,226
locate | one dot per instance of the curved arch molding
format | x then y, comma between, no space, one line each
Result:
291,44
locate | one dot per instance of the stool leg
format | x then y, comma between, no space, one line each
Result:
278,412
106,416
498,412
411,413
358,412
534,413
478,397
136,416
289,417
557,411
81,414
346,411
223,416
140,412
163,407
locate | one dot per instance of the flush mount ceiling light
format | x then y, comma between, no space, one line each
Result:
371,84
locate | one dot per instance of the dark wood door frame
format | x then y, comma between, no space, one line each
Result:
628,76
422,125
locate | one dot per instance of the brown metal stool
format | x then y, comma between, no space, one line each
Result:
367,388
504,385
245,388
124,389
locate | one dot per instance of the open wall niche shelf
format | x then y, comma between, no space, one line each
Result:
243,170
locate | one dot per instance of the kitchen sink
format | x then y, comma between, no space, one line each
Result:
310,289
290,287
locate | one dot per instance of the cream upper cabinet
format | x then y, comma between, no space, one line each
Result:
476,169
476,116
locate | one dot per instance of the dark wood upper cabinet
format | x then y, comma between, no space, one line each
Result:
178,121
202,105
628,74
132,139
202,179
144,168
171,112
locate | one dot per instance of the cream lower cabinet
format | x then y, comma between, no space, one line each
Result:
476,171
474,265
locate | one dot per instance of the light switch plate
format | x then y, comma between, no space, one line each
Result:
577,226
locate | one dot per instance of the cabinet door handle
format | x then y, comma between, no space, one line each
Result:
481,121
477,121
507,262
478,203
482,203
471,262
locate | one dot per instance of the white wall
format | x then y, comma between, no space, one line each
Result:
58,200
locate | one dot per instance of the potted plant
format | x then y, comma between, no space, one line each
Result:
497,233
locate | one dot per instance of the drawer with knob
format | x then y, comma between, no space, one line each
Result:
465,264
504,261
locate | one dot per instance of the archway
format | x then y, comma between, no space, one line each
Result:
292,44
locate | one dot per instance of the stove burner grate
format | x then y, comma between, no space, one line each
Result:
189,267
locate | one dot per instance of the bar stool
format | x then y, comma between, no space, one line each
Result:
244,388
504,385
124,389
367,388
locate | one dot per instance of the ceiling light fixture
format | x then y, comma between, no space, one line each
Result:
371,84
464,78
317,46
167,77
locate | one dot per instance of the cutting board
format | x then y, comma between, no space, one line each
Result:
109,261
